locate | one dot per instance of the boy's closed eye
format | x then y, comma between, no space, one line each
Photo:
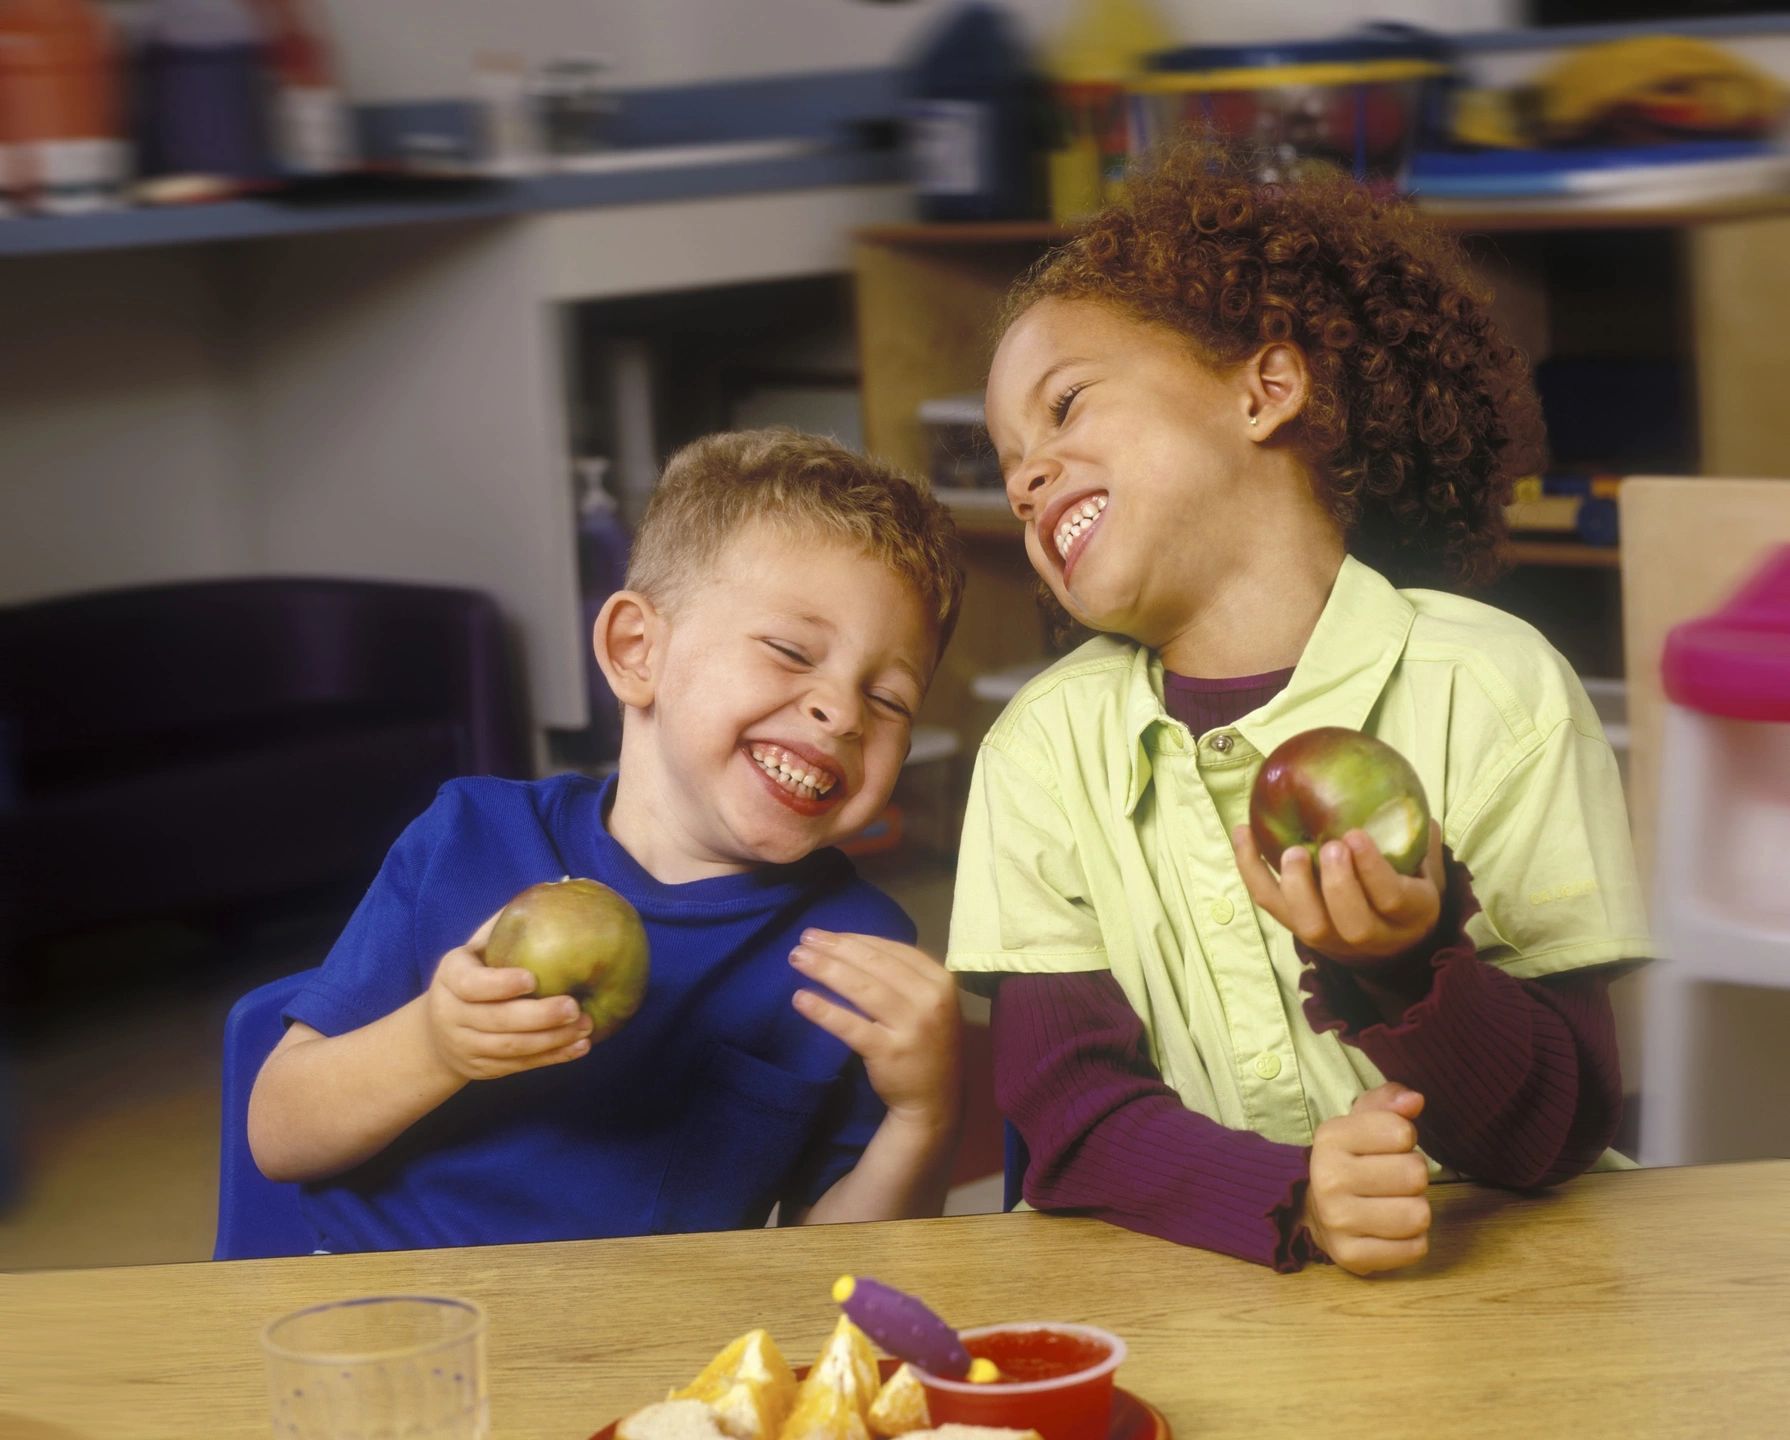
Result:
790,653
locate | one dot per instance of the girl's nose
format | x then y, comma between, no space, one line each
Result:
1027,481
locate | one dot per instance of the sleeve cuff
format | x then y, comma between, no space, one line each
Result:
1355,997
1294,1249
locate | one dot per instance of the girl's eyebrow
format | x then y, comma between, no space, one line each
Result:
1039,385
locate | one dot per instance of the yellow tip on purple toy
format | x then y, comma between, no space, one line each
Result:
983,1372
842,1289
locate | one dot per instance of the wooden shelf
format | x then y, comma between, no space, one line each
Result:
1524,215
1563,552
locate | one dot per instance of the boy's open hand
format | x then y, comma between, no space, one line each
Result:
482,1028
906,1025
1354,906
1367,1205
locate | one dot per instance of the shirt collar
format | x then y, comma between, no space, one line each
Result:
1359,637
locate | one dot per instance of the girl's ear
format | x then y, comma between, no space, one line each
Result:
1276,385
629,641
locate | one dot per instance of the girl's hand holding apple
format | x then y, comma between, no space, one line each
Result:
1352,906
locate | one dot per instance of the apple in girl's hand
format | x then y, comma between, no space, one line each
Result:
577,938
1323,783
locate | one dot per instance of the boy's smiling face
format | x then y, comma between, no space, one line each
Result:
1126,458
782,690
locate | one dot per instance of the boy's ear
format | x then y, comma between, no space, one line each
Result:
628,639
1276,385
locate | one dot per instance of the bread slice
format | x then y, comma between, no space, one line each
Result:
900,1406
749,1386
834,1401
972,1432
671,1420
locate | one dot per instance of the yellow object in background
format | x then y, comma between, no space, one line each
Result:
1653,86
1090,67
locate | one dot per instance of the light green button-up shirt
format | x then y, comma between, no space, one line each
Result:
1098,835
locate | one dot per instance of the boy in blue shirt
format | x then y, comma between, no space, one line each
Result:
786,604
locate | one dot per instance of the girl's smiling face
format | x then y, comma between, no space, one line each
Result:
1127,458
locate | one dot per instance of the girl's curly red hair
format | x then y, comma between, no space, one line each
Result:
1421,414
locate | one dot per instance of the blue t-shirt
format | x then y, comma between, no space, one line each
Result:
714,1102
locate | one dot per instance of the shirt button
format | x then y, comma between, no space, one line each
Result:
1222,910
1267,1065
1222,744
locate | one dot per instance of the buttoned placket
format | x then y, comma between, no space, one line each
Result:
1214,782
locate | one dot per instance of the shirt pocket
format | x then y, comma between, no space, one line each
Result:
742,1133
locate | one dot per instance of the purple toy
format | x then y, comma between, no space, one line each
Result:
908,1330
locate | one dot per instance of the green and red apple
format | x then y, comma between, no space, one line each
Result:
1323,783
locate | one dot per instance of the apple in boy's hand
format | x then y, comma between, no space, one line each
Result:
1323,783
577,938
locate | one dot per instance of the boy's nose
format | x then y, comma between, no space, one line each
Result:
836,715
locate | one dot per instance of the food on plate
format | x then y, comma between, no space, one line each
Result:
1323,783
834,1400
974,1432
578,938
1055,1380
900,1406
749,1387
671,1420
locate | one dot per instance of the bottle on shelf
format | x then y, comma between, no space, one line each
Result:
969,116
203,123
313,133
62,147
1089,68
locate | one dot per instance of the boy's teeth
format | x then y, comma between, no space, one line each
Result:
785,768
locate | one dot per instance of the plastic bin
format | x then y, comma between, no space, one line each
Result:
1721,894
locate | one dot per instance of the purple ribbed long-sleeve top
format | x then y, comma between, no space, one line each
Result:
1521,1079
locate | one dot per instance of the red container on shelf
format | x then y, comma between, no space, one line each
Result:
1059,1380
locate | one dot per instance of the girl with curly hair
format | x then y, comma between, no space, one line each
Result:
1214,407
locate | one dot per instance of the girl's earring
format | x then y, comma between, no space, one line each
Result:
1254,418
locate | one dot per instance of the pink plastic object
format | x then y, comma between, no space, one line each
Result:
1735,663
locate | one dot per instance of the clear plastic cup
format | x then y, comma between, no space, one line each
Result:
1076,1405
379,1368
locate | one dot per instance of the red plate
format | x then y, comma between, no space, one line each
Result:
1133,1418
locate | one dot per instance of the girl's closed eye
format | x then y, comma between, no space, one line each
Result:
1059,408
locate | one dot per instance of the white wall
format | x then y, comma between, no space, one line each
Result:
121,444
414,49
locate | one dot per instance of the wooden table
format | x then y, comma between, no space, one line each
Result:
1636,1304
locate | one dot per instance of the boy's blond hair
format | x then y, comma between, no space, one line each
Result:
807,485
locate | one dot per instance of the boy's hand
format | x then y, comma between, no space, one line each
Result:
1367,1205
1354,906
481,1027
907,1025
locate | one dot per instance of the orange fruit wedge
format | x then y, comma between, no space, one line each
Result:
833,1402
748,1385
900,1406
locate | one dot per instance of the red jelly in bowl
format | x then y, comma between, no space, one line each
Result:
1057,1380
